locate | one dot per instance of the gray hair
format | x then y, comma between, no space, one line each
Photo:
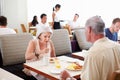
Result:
97,24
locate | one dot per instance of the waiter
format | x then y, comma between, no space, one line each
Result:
56,16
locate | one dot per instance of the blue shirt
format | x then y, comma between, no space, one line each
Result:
111,36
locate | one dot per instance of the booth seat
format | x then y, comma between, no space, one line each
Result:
13,48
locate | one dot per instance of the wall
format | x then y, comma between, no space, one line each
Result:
107,9
16,13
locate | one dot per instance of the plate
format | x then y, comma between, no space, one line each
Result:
56,71
71,60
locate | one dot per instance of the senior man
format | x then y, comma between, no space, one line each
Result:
103,57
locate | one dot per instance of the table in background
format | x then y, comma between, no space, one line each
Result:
5,75
32,28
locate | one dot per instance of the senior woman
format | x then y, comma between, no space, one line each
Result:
39,47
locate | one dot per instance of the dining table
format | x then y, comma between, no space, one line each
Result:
50,70
80,55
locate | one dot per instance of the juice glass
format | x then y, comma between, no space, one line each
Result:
57,64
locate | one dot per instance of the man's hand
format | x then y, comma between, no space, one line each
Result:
64,75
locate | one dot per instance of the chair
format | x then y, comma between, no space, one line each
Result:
13,47
23,28
51,24
81,39
68,28
12,53
29,24
32,29
61,42
16,30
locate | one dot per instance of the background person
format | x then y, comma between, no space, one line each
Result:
34,21
37,48
43,21
3,26
56,17
112,32
74,23
103,57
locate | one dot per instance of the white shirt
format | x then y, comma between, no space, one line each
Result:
102,60
57,16
6,31
73,24
41,25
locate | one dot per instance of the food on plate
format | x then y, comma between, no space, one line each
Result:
74,66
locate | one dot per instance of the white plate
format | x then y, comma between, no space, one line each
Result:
56,71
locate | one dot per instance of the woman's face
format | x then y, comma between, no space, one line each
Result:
57,8
45,37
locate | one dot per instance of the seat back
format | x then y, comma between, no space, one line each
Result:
13,47
29,24
61,41
23,28
81,39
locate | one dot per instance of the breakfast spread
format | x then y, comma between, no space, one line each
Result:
74,66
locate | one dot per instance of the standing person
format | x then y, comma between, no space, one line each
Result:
56,17
3,27
112,32
34,21
103,57
38,48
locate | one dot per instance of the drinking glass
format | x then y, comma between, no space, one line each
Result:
57,64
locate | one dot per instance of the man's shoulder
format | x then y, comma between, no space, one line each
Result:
102,48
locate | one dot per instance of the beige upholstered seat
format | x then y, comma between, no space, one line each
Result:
61,41
13,47
81,39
